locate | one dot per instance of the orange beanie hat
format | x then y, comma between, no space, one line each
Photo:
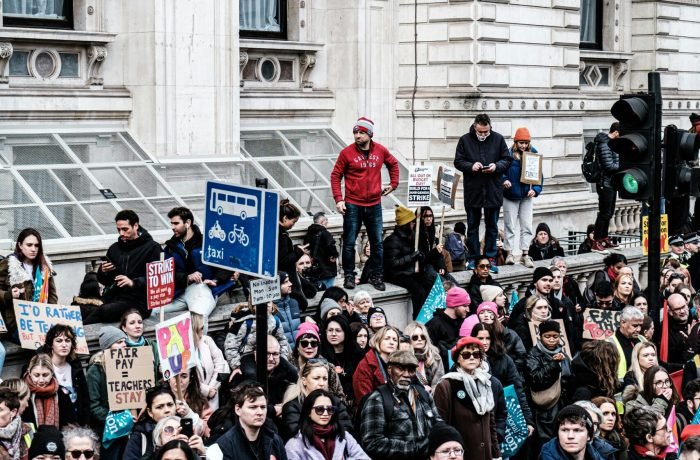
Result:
522,134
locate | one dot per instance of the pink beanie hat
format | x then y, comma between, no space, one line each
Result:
490,306
466,329
456,297
307,328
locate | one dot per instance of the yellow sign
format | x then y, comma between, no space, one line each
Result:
664,234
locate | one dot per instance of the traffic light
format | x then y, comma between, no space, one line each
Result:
680,178
635,145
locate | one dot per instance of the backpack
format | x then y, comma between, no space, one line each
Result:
455,246
249,324
590,167
388,403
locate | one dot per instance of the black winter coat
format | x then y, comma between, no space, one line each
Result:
443,332
503,368
515,349
545,252
608,160
235,445
129,258
398,248
322,247
482,190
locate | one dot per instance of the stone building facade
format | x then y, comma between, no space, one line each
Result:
158,86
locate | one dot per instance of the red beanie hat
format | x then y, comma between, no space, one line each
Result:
463,342
522,134
365,125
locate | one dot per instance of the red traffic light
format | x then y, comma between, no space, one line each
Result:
630,111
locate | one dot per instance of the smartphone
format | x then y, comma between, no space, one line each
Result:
186,427
105,259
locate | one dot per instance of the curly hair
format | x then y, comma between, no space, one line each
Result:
602,358
639,422
56,331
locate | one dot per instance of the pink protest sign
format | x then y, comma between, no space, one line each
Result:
160,281
176,348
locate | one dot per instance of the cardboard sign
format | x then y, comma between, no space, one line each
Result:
447,184
664,235
420,180
3,327
264,290
129,374
600,324
160,282
176,348
534,333
34,319
531,168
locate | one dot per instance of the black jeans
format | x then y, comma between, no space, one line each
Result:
606,209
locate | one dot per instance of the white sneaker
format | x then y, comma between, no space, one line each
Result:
510,260
527,261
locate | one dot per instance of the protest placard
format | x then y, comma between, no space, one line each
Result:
34,319
447,182
420,179
534,334
3,326
176,348
129,374
160,282
264,290
600,324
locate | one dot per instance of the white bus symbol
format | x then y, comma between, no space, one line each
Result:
233,203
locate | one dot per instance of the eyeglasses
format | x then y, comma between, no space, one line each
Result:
320,410
483,266
470,354
681,308
663,383
308,343
605,303
273,355
450,453
417,337
377,316
87,453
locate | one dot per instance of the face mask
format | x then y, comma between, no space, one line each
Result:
482,138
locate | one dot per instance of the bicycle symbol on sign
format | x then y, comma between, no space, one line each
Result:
238,233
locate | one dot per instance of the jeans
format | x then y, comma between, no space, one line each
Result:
328,282
517,211
606,210
354,217
473,222
3,354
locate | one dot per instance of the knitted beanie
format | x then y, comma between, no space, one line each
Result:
440,434
463,342
465,330
456,297
522,134
374,310
489,292
488,306
327,305
47,441
109,335
541,272
574,411
365,125
306,328
549,326
404,215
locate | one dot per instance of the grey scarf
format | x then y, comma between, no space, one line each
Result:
11,436
477,386
564,364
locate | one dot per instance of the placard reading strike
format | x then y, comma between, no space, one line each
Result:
160,282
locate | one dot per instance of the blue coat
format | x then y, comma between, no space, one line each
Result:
289,316
518,190
552,451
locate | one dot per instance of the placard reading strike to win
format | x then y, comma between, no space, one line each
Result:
129,374
160,282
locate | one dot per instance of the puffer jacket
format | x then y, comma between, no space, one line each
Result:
289,315
482,190
608,160
518,190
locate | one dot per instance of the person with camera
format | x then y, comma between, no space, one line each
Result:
323,251
173,427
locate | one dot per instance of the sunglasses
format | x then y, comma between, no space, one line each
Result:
87,453
470,354
417,337
483,266
167,430
320,410
308,343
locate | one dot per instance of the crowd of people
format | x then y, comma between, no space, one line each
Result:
344,382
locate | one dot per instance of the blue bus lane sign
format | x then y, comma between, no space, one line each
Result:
240,229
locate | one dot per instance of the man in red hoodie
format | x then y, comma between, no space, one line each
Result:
361,166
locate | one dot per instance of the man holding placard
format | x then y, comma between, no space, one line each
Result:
361,166
123,271
482,156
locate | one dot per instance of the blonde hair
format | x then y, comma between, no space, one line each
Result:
197,323
616,284
634,366
297,391
41,360
530,304
430,350
379,336
17,386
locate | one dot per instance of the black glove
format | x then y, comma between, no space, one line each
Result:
417,256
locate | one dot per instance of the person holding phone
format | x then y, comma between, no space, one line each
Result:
483,157
173,427
288,253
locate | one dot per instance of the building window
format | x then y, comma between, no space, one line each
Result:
52,14
592,24
263,18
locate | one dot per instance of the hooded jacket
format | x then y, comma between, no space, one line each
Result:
547,251
608,160
398,248
518,190
482,190
321,248
129,259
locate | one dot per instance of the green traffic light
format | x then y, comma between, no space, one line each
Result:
630,184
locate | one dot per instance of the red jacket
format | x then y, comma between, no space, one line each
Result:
368,375
363,174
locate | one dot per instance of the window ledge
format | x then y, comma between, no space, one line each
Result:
289,65
55,35
597,55
280,45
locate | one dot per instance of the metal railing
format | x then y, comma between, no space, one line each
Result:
572,242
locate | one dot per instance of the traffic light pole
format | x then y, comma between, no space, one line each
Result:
654,256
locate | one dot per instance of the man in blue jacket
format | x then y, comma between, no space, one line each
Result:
482,156
196,285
